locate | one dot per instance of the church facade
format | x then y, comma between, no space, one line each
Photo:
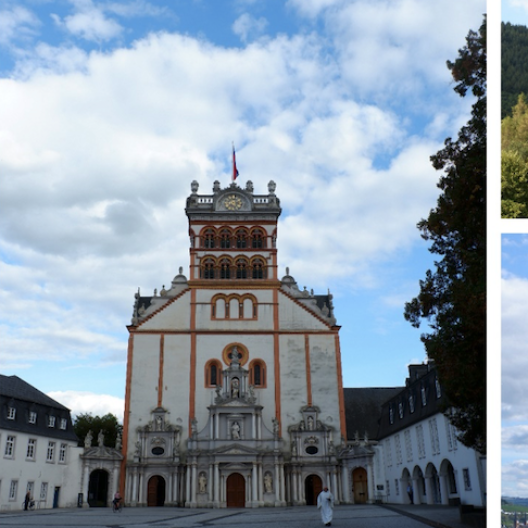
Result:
234,392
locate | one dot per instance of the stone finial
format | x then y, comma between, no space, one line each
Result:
180,270
287,270
216,186
194,186
249,186
271,187
163,291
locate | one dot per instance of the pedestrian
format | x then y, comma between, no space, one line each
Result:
410,493
27,500
325,502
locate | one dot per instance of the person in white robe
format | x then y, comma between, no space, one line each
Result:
325,502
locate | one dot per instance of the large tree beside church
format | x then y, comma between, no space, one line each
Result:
452,297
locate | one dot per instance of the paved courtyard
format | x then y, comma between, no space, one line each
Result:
298,517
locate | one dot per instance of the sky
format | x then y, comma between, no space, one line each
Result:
110,109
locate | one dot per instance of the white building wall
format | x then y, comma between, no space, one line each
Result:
436,453
56,474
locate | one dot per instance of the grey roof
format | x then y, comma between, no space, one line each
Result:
363,409
17,388
25,399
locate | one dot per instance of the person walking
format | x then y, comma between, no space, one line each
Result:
410,493
325,502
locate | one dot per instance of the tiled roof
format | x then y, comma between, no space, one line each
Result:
14,387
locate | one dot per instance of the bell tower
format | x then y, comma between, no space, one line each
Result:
233,236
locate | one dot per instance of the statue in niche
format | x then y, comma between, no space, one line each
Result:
159,423
268,483
194,427
235,431
100,438
294,449
310,423
235,388
202,483
88,439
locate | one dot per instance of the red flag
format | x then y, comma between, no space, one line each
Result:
235,170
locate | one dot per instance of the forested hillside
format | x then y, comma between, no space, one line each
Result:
514,65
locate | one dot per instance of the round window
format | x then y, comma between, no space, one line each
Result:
312,450
158,451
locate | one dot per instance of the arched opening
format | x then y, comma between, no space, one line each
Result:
98,489
313,485
359,483
432,479
236,491
156,491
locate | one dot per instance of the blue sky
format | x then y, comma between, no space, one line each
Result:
111,109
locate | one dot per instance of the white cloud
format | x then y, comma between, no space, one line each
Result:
514,339
89,23
91,403
248,27
16,22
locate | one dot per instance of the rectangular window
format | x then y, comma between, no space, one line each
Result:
50,456
44,491
408,446
397,443
11,413
30,454
13,488
435,441
51,421
32,417
396,486
467,480
62,453
63,424
388,487
10,447
420,441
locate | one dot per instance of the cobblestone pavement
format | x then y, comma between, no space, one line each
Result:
368,516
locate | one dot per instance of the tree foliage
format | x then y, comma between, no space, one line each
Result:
514,162
107,423
514,65
452,298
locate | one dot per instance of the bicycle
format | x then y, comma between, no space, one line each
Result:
117,506
30,505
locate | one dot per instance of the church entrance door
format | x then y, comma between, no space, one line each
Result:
98,489
156,491
359,480
236,491
313,485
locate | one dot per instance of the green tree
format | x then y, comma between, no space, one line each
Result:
453,297
107,423
514,163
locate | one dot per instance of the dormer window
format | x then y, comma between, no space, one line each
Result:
32,418
11,413
63,424
411,403
391,415
423,395
51,421
438,388
400,410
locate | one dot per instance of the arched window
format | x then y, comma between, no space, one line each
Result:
257,239
257,373
259,270
225,239
207,269
241,269
208,238
225,269
241,239
213,373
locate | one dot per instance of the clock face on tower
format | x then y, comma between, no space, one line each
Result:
232,202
